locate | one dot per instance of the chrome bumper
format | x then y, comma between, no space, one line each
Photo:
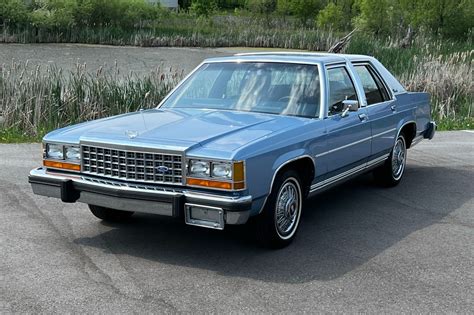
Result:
134,197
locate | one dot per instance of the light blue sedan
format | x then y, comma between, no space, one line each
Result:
251,135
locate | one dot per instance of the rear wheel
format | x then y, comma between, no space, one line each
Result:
390,174
110,215
278,223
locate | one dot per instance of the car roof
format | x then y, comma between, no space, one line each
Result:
291,57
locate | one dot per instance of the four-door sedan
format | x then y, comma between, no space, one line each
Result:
252,135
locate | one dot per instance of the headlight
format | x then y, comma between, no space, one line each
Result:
73,153
55,151
216,174
221,170
62,156
199,168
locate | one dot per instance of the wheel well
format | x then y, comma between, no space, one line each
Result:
305,168
409,131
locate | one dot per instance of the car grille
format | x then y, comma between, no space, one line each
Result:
156,167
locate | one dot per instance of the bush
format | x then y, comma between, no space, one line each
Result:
13,12
203,8
53,13
262,7
304,9
373,16
331,17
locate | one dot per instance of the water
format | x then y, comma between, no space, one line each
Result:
130,59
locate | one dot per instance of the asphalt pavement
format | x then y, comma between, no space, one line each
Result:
360,248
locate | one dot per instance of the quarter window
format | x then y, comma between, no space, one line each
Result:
340,88
374,90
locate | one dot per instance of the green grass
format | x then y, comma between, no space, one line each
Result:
17,136
455,124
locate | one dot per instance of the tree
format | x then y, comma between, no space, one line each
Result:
262,7
203,8
331,17
304,10
449,17
283,7
13,11
373,16
53,13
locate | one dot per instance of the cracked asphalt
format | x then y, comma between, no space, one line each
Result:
360,248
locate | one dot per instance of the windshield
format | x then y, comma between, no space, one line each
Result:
276,88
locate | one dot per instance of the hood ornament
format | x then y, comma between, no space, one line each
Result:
131,134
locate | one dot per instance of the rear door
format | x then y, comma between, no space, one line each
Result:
381,108
348,138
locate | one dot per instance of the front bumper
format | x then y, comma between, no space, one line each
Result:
139,198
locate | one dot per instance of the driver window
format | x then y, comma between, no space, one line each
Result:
340,88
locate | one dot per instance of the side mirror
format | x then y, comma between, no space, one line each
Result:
349,106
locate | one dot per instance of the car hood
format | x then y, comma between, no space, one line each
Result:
177,129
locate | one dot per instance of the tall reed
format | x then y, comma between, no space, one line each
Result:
34,100
442,68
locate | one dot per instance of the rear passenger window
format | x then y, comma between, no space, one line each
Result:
340,88
374,90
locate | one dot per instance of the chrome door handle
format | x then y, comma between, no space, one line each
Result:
393,107
363,117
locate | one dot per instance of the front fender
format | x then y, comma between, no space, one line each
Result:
262,172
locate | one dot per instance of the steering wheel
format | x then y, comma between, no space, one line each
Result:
284,98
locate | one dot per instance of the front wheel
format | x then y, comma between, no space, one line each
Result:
278,223
391,172
110,215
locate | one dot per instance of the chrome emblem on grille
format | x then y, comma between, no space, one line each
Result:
162,169
131,134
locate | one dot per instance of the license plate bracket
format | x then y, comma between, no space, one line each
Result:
204,216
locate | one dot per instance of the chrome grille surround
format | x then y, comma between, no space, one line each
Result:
138,165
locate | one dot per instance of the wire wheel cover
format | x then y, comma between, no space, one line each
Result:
398,158
288,208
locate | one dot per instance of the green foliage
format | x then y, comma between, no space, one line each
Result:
304,10
373,16
203,8
331,17
283,7
53,13
450,18
230,4
262,7
13,11
67,13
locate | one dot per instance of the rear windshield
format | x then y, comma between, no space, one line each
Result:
276,88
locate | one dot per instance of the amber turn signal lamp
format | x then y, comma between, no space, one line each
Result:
63,165
209,183
238,172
